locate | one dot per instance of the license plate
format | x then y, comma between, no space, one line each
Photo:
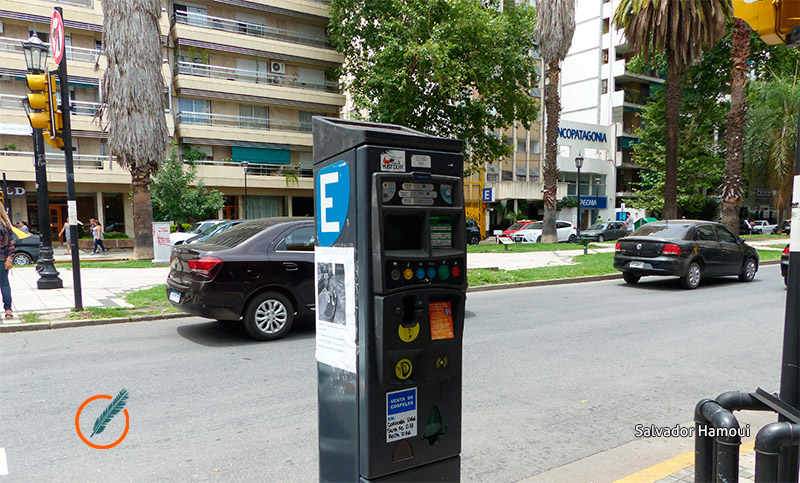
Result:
174,296
636,264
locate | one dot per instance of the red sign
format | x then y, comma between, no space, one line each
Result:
57,37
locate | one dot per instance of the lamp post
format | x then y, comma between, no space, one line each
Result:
579,165
244,165
35,61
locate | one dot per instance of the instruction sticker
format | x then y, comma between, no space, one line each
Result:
420,161
401,414
441,315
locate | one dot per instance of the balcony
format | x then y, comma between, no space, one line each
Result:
250,29
242,122
79,161
196,126
77,3
255,169
227,73
79,108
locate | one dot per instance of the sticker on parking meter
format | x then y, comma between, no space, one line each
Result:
401,414
333,199
441,315
393,161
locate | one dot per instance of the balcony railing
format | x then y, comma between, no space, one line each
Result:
241,122
228,73
8,44
80,3
80,161
255,169
79,108
251,29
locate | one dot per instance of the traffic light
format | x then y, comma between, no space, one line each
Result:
772,20
43,110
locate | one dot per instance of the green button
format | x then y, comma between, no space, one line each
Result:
444,272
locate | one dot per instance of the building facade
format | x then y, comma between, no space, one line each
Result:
242,81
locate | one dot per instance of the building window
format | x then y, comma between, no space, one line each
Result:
564,151
604,86
606,25
521,147
194,111
605,56
253,117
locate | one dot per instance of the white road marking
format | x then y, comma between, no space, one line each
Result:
3,464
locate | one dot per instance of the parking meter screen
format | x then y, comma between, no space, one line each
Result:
402,232
441,232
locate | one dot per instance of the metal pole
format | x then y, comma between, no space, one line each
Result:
48,275
579,201
790,377
245,191
5,192
72,207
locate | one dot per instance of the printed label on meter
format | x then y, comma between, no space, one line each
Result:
441,315
401,414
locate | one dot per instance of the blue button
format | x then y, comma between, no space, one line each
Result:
420,273
431,272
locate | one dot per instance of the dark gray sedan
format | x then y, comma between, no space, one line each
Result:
609,230
689,249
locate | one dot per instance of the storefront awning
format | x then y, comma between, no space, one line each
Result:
260,155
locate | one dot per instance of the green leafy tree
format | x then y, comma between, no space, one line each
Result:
771,135
451,68
554,29
178,195
680,29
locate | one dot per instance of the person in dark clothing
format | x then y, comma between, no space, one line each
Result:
7,255
97,236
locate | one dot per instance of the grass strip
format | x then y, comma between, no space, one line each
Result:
149,301
31,317
595,264
122,264
524,247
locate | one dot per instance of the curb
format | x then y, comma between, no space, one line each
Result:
64,324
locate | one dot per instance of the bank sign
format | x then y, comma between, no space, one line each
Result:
592,202
582,134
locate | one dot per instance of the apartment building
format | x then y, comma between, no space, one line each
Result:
597,87
242,80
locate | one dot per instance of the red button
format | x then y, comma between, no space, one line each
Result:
456,271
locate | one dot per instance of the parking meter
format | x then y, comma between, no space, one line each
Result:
390,263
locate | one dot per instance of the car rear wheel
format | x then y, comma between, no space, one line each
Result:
22,258
269,316
539,240
474,239
748,271
630,278
692,278
601,238
573,239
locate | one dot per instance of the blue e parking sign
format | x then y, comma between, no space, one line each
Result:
332,201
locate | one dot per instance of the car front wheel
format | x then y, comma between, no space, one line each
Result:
692,278
630,278
21,258
474,240
573,239
748,271
269,316
601,238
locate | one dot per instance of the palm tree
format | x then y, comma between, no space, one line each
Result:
771,134
133,92
680,29
555,25
731,189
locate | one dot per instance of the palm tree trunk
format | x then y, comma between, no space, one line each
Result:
552,104
672,102
142,214
732,182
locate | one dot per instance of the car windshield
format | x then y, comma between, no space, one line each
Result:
194,228
597,226
534,226
208,228
516,226
663,230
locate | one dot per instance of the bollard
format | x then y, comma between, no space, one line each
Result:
769,442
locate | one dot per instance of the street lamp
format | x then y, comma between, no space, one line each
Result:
579,165
36,60
244,165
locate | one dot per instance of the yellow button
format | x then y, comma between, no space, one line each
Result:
403,369
408,334
408,273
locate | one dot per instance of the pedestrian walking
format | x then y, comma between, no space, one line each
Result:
65,231
7,254
97,236
629,226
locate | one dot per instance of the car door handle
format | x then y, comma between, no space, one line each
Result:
289,266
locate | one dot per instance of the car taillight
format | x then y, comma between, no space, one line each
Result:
616,247
205,266
786,250
671,249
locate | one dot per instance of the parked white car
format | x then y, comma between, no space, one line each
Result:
199,228
567,232
763,226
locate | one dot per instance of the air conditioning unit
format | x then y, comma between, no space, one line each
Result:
277,67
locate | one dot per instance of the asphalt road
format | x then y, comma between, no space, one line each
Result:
551,375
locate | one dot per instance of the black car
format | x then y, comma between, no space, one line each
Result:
260,271
785,265
689,249
27,249
473,232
